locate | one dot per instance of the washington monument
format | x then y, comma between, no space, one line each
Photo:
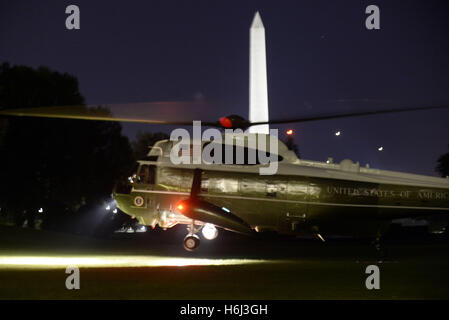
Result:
258,91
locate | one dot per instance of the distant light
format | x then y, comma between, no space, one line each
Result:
129,230
338,133
225,209
108,208
289,132
114,211
380,148
40,210
180,207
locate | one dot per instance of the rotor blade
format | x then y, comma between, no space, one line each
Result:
348,115
102,113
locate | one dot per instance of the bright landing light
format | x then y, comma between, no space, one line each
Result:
209,231
49,262
338,133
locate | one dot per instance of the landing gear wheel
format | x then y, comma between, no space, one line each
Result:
191,242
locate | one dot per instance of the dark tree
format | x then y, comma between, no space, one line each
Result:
24,87
55,164
443,165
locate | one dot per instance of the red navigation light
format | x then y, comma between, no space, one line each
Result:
289,132
226,122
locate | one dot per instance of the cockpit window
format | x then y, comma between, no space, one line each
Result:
124,186
146,174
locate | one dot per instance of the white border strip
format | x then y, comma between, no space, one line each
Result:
293,201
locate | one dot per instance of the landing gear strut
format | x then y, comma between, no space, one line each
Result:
191,241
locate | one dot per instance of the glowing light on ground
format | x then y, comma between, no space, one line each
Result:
56,262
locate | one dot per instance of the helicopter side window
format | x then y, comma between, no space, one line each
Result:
247,160
147,174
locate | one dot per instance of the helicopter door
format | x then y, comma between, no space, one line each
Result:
146,179
297,208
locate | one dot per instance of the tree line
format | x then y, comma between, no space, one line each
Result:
66,167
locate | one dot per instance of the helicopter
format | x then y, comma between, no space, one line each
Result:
302,198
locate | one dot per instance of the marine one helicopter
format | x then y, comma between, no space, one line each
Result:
302,198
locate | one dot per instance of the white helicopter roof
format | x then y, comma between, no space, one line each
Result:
291,165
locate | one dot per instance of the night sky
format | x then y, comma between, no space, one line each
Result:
321,60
